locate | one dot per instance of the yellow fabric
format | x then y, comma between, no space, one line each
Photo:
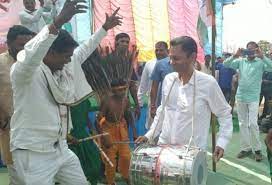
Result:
151,25
160,20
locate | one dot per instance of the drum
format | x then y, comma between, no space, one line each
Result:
171,165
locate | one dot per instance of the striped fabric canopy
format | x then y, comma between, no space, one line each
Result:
146,21
150,21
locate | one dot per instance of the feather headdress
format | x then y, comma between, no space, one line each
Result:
106,69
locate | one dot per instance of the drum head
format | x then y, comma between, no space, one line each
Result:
199,169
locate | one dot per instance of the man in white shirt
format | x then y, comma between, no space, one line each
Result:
206,67
161,51
17,37
173,120
34,19
48,73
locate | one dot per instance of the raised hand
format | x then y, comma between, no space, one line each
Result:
112,21
238,53
70,8
259,53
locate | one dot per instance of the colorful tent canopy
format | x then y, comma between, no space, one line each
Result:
146,21
149,21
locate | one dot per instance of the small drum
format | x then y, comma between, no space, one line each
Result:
171,165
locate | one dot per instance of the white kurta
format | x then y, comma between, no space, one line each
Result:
145,88
175,126
35,21
35,124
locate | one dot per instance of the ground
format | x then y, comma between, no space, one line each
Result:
230,170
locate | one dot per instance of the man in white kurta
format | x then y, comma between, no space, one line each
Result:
176,126
174,118
145,88
34,19
161,52
39,85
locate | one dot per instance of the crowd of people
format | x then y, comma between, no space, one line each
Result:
45,88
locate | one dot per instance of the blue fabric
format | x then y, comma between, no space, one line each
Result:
219,31
219,28
161,69
140,126
225,76
83,23
92,118
226,2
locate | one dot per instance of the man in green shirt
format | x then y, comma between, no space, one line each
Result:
251,69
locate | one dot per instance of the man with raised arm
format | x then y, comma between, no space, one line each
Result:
48,74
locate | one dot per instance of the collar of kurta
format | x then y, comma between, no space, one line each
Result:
30,12
191,81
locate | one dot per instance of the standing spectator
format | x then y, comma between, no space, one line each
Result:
224,78
268,143
34,19
161,69
146,82
251,69
206,67
17,37
266,93
197,65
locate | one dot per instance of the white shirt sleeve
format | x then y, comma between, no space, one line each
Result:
27,18
157,124
83,51
29,59
222,110
144,86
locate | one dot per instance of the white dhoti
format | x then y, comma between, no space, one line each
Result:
36,168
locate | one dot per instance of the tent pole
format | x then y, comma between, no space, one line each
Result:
213,119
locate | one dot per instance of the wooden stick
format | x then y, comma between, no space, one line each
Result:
103,153
123,142
90,138
213,120
213,123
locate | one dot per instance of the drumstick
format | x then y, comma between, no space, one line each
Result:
90,138
124,142
103,153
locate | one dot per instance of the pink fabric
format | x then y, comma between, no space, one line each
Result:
8,19
108,6
183,17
